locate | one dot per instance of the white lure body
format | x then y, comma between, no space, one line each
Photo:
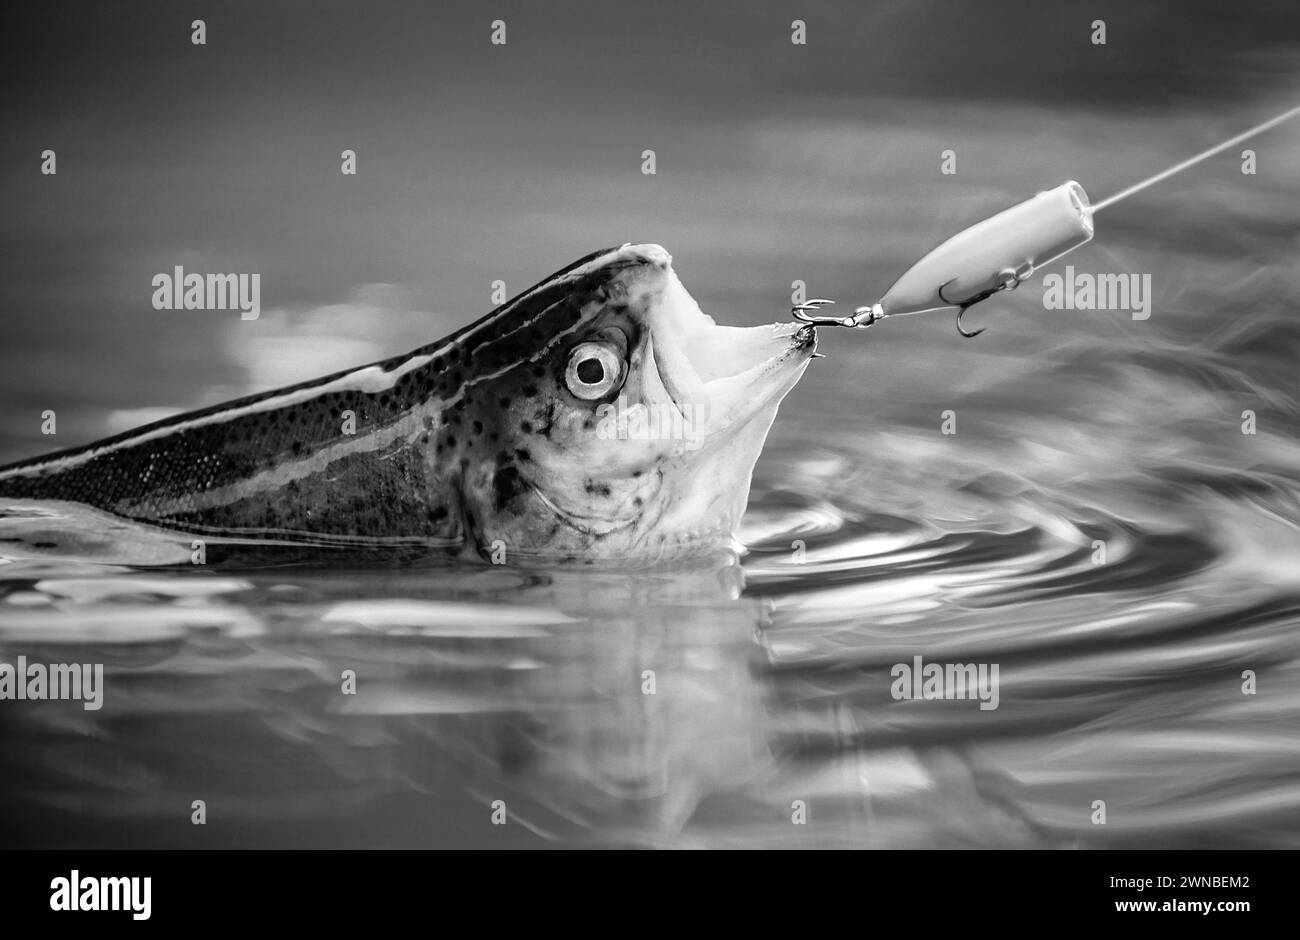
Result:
995,254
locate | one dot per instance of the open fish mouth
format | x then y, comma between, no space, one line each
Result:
727,375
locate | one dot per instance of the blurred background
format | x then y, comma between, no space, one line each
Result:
775,163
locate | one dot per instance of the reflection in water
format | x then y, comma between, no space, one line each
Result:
1123,591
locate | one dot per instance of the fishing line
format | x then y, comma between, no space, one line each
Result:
1178,168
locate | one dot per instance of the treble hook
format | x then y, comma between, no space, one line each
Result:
802,313
1009,279
862,316
964,305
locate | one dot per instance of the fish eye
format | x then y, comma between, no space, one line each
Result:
594,370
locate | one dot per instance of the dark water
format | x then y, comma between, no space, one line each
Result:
1120,680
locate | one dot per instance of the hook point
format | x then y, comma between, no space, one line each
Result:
969,334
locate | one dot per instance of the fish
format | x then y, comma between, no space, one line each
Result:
600,415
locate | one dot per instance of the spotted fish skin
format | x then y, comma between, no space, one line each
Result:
473,442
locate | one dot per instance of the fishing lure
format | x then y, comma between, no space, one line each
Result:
1001,252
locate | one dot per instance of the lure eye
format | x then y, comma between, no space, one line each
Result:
594,370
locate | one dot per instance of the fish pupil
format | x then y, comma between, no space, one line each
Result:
590,371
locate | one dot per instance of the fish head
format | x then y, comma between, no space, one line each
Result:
612,419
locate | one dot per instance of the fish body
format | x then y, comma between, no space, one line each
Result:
598,414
